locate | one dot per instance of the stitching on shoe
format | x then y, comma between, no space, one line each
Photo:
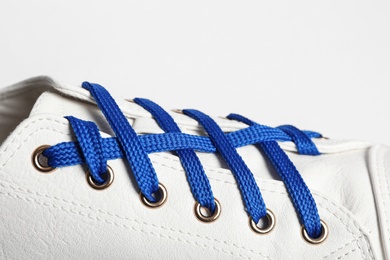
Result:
18,189
175,160
369,249
362,253
353,250
347,214
126,218
38,129
382,187
342,247
279,185
32,133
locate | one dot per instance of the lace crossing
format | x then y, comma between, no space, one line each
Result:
93,150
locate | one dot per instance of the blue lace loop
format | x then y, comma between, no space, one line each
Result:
90,142
250,192
134,152
94,150
304,144
197,179
300,194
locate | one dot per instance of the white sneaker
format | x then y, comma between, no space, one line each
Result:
84,209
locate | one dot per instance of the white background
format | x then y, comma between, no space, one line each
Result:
320,65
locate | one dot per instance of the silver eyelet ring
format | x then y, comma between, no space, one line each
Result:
104,185
210,217
318,240
40,161
162,195
271,220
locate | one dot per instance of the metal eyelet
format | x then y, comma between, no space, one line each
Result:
161,195
270,221
210,217
318,240
104,185
40,161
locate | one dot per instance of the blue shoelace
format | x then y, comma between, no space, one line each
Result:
95,151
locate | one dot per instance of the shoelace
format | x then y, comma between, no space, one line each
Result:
95,151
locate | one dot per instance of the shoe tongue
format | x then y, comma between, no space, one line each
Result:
60,99
56,103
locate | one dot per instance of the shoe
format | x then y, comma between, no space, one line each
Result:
81,178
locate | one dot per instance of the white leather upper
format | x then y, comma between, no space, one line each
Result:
59,215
